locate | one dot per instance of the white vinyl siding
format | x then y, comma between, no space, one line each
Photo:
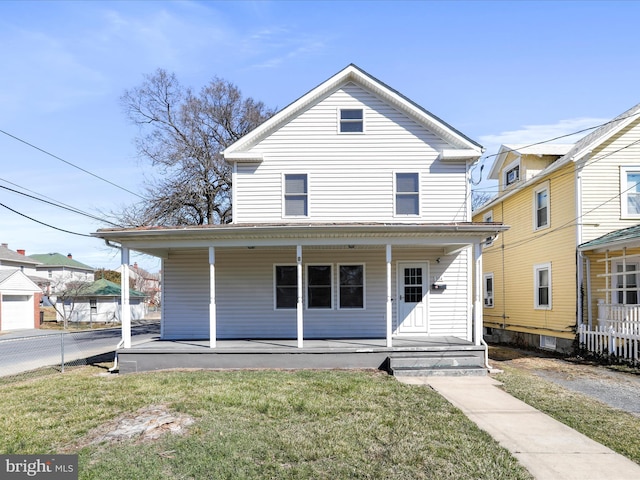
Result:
602,204
248,274
353,175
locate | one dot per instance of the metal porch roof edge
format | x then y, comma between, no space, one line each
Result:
615,240
288,230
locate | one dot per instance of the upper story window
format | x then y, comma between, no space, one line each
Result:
488,217
351,120
407,194
541,207
511,173
296,195
630,192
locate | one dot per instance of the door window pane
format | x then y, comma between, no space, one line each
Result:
413,285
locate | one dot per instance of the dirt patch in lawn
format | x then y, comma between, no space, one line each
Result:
615,388
147,424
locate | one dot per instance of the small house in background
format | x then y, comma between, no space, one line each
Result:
61,270
100,302
18,260
19,301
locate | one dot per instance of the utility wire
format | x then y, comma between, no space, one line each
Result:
575,220
45,224
71,164
59,205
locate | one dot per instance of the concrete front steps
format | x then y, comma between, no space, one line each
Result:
438,363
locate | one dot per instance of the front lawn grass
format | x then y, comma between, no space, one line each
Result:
254,425
618,430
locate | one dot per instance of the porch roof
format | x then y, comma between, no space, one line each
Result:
157,240
616,240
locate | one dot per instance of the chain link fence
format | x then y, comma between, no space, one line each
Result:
31,353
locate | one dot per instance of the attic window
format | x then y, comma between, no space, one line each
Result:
512,173
351,120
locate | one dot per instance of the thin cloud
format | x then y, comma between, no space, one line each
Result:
529,134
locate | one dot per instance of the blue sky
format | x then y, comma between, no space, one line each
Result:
501,72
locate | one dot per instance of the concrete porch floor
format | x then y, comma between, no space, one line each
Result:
283,353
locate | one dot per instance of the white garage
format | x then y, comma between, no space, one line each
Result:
18,296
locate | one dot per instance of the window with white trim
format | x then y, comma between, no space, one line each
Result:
626,284
488,290
488,217
296,195
407,195
542,294
319,286
511,173
351,290
351,120
541,207
286,286
630,192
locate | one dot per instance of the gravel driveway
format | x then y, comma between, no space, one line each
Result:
617,389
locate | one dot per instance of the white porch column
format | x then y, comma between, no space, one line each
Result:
389,300
125,315
212,297
299,307
478,300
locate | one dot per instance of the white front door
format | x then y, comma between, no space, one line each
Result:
412,298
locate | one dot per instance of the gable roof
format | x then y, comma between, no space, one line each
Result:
238,150
105,288
59,260
577,152
26,281
558,149
11,256
602,134
626,237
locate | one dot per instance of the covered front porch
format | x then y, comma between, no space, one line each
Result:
609,269
408,355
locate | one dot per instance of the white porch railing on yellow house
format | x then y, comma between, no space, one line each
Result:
617,333
622,318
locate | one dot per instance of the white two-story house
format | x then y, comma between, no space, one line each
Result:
351,219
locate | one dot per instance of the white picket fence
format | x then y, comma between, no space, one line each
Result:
617,339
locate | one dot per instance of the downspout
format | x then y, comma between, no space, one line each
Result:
579,257
121,342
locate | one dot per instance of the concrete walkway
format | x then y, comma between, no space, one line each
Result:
547,448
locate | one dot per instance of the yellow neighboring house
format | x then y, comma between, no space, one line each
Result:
539,286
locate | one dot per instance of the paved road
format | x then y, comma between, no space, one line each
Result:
28,350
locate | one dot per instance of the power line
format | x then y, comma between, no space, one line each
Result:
575,220
45,224
71,164
59,205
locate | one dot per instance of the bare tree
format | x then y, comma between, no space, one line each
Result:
64,296
479,198
183,134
